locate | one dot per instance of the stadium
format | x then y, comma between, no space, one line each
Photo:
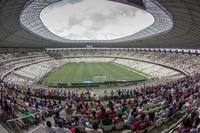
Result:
100,66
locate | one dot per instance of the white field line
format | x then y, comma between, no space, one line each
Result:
133,70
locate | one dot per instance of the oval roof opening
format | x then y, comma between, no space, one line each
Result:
94,19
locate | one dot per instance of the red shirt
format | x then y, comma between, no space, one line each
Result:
113,114
101,116
140,125
184,130
98,106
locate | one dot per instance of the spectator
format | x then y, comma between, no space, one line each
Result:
49,128
101,115
195,126
185,126
95,129
61,129
142,124
112,113
107,121
119,119
58,120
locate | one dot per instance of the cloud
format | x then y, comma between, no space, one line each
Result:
73,1
94,19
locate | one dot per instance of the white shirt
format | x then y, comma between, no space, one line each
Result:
88,130
96,97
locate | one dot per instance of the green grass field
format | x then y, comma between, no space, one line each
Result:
79,72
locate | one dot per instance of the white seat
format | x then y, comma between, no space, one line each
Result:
107,128
119,125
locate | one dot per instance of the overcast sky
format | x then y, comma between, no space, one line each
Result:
94,19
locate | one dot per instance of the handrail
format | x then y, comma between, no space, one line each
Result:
16,126
174,127
23,117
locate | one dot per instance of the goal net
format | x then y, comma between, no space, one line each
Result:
99,79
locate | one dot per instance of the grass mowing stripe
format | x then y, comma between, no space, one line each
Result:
67,73
110,72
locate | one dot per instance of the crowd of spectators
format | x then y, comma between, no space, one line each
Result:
186,62
14,60
134,109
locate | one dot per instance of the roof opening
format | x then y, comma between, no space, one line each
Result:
94,19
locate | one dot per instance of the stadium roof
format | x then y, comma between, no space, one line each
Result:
177,25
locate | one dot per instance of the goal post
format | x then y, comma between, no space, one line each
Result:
99,78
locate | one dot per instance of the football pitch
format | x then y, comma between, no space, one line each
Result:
81,72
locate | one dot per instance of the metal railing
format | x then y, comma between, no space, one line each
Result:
18,125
